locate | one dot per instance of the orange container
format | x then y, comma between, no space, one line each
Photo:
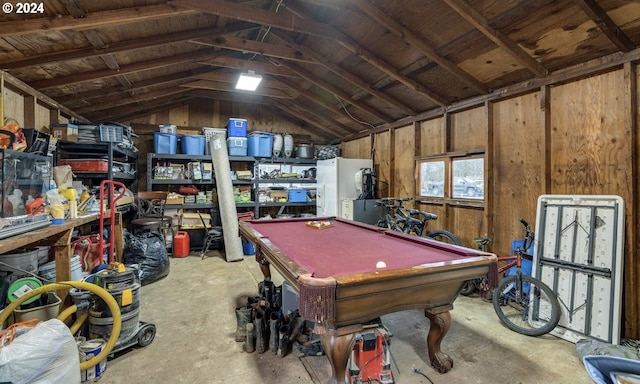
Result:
181,244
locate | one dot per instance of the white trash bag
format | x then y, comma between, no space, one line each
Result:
46,354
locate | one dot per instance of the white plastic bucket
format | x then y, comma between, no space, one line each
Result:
48,270
16,265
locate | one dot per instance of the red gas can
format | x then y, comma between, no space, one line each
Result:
181,244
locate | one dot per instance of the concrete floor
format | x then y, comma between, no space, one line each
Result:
193,310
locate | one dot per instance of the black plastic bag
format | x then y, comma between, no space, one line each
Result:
148,251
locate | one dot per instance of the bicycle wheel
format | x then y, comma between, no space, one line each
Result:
468,288
444,236
526,305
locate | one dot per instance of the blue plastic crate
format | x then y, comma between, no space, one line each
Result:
297,196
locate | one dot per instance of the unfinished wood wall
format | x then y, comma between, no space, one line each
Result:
30,108
574,138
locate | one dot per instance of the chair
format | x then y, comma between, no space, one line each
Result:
212,235
150,216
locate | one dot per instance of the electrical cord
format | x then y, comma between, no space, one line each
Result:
419,372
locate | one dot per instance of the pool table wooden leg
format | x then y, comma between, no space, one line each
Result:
265,268
338,346
440,323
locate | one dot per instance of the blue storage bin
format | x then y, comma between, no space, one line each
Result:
297,196
248,248
259,144
237,146
193,144
166,143
237,127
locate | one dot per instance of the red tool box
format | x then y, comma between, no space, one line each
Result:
371,359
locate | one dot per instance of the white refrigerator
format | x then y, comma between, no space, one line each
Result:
336,181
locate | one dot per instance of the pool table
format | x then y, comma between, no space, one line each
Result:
348,273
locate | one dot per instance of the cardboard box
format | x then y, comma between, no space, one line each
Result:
175,199
279,196
189,220
65,132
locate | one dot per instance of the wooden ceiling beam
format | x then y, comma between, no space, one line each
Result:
320,102
355,80
417,42
328,133
226,86
606,25
242,64
132,99
475,18
255,15
138,111
230,96
336,91
252,46
290,22
91,20
319,119
81,98
123,46
129,68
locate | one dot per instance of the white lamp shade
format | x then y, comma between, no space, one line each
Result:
248,81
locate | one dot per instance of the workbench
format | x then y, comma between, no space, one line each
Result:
58,236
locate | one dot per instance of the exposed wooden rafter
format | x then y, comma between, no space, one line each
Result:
229,87
134,99
335,91
135,67
136,110
343,73
91,20
606,25
128,45
307,26
258,66
250,46
417,42
328,132
476,19
82,98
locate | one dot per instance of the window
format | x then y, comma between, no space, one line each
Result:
468,178
451,177
432,178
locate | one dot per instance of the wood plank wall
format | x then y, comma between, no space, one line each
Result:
574,138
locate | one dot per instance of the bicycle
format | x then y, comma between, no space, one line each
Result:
480,284
523,303
412,221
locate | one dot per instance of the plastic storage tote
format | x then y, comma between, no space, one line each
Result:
237,146
259,144
193,144
297,196
164,142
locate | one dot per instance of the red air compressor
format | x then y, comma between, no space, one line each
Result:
371,359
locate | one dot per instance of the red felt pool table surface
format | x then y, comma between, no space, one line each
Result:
348,247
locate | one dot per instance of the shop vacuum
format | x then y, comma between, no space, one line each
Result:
123,283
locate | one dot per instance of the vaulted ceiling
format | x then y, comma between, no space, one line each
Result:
336,67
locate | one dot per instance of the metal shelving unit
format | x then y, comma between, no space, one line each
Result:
102,151
253,163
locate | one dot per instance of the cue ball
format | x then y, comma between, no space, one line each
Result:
381,264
